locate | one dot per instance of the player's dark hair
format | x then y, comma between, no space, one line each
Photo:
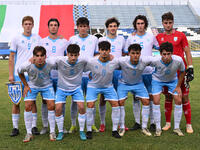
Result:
134,47
83,21
168,47
39,49
73,48
104,45
168,16
141,17
27,18
54,19
111,20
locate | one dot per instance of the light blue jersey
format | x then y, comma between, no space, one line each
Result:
102,73
38,77
167,72
132,74
69,75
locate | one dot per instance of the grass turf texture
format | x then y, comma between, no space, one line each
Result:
131,140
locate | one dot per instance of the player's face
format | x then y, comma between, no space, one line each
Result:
140,25
53,27
112,28
28,26
83,29
72,57
39,59
166,56
134,55
104,53
168,25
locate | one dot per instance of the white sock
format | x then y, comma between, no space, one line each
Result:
34,121
136,110
81,121
157,116
102,114
51,119
15,120
122,117
115,117
44,115
145,116
151,113
28,121
89,120
74,112
177,115
63,109
94,115
60,122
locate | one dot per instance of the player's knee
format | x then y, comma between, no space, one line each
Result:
28,107
51,106
121,102
145,102
114,103
58,110
90,105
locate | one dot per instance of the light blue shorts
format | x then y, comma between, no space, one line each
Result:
109,94
157,87
47,94
139,90
61,95
147,79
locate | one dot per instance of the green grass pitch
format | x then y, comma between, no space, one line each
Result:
132,140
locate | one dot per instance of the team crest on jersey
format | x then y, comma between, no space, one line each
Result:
162,39
175,39
15,92
46,44
23,41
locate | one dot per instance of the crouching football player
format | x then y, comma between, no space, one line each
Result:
39,82
70,70
132,68
166,67
101,83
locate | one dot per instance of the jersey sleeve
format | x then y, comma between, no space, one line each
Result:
13,46
24,67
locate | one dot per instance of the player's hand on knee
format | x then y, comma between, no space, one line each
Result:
178,90
189,74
